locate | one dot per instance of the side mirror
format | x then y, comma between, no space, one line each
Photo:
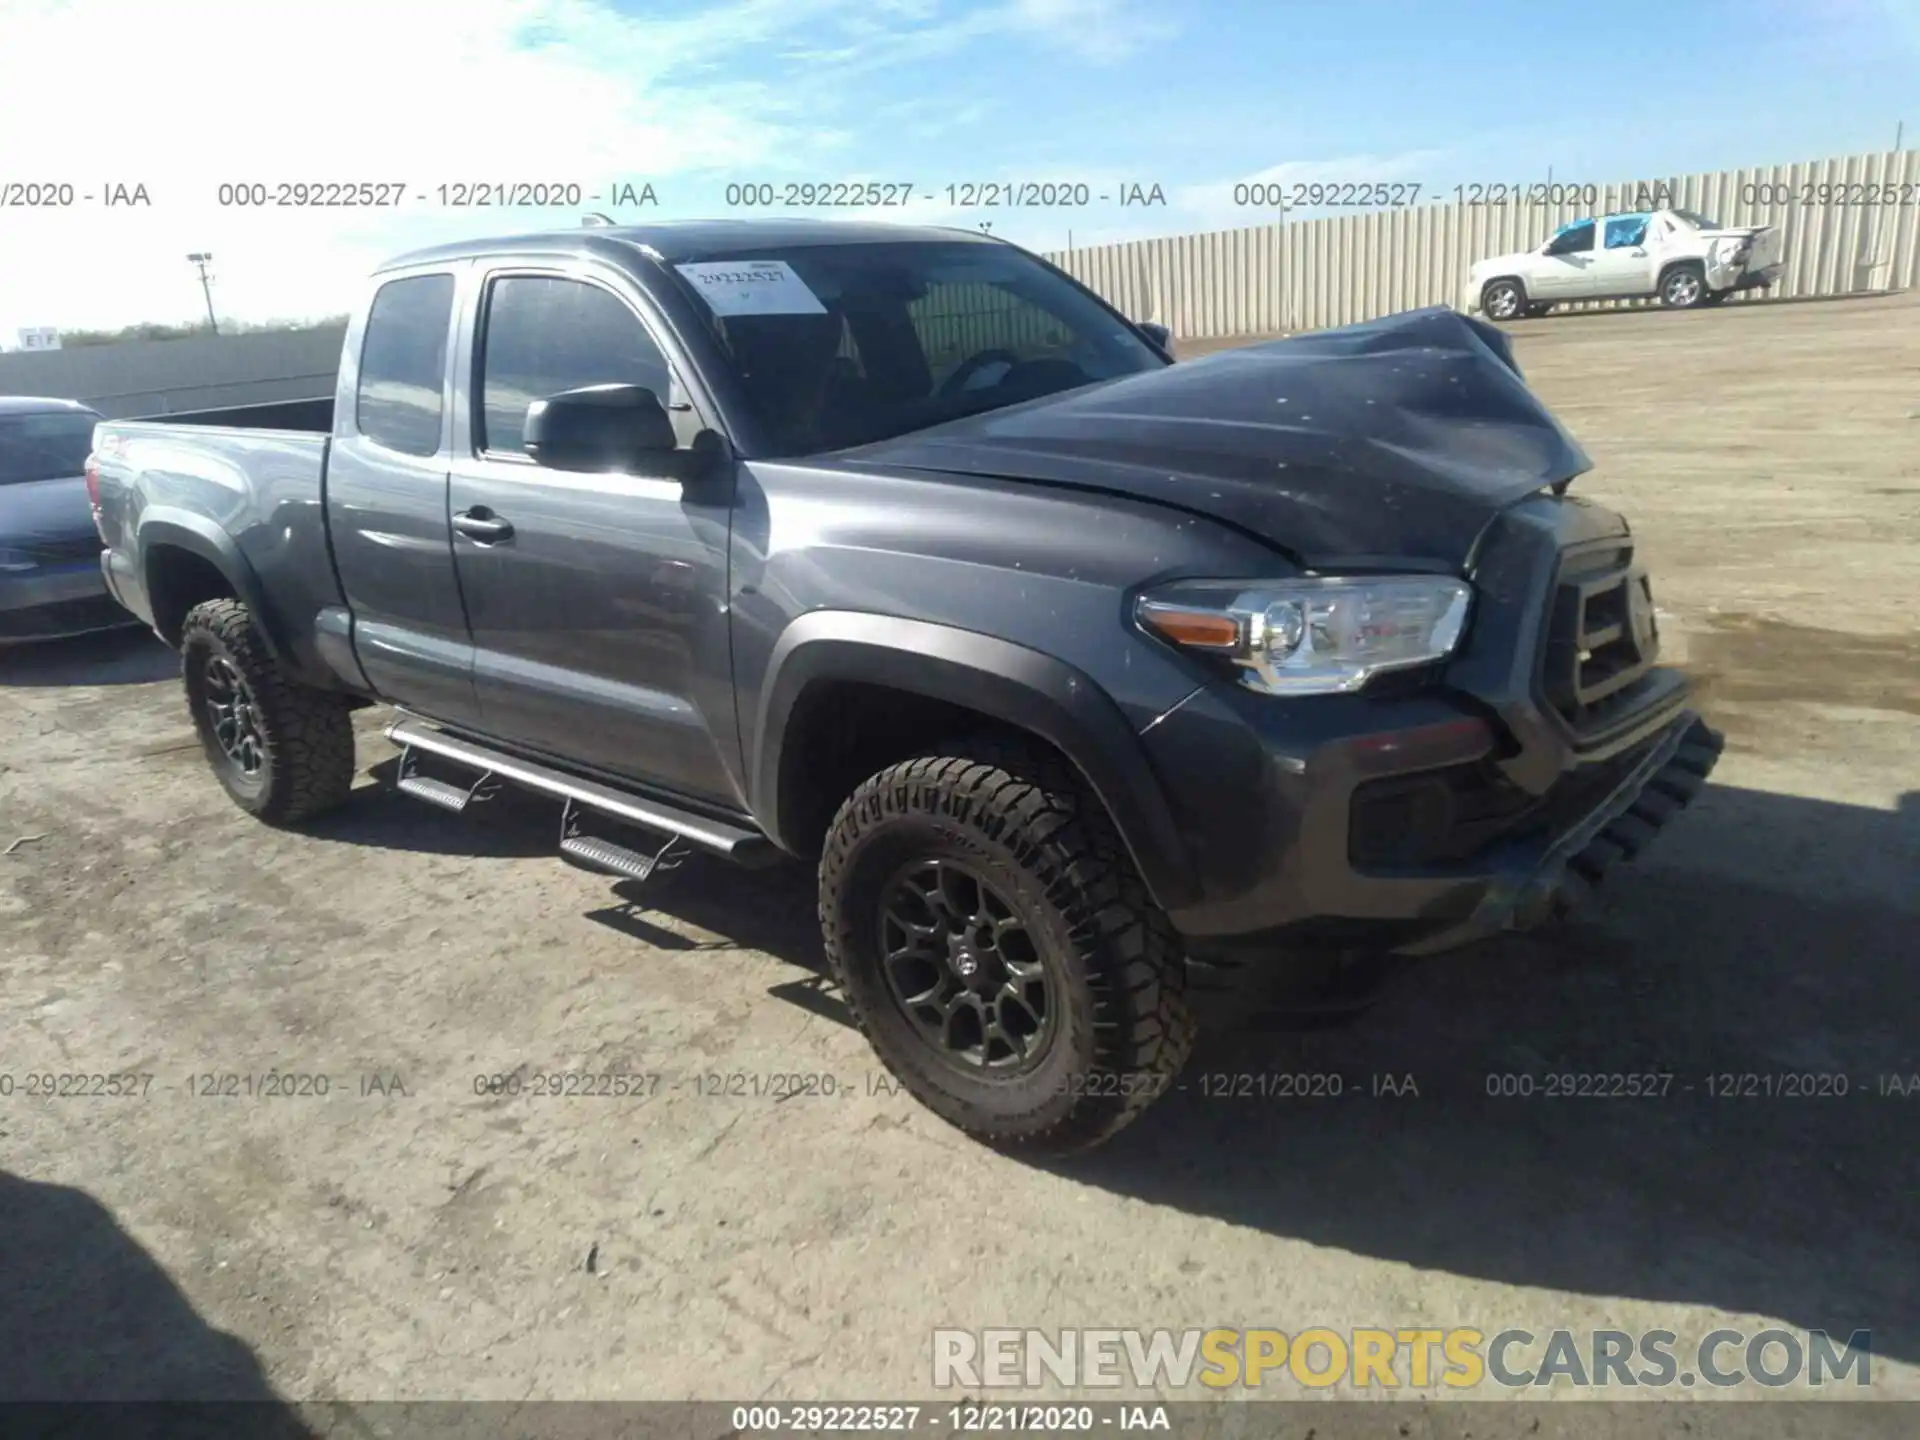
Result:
1158,334
598,427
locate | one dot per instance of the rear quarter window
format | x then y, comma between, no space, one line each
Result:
48,446
403,364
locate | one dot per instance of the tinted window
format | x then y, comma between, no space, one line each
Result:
403,364
901,335
546,335
1623,230
1573,238
45,447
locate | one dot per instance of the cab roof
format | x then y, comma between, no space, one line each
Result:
674,241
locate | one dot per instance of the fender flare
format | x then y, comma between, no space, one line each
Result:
195,534
1022,687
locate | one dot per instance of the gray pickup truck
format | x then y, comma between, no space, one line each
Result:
1104,691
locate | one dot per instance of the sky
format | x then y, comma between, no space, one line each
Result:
1191,96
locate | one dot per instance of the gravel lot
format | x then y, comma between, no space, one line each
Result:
405,1237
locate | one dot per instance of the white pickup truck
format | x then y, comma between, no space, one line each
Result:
1679,256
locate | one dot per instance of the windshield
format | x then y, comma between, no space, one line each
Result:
46,446
838,345
1697,220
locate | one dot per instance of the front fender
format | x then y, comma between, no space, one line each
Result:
1021,687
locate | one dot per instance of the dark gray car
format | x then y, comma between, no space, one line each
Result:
50,580
1102,691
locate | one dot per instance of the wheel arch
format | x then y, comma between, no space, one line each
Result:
1004,684
180,555
1519,282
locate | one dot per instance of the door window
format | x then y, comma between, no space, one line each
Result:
1573,239
1625,231
545,334
403,364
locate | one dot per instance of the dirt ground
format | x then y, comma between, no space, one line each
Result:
405,1236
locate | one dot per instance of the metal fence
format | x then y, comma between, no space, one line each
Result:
159,377
1850,224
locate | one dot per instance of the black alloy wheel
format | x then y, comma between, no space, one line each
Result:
964,969
233,717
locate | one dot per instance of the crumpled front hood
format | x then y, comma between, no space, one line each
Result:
1390,443
40,511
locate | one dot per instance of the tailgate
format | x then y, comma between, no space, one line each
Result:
1768,246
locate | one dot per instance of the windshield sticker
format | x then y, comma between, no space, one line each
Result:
752,287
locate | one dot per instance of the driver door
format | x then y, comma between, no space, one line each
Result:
597,601
1566,268
1623,265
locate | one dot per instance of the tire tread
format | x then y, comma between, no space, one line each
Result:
1035,805
309,731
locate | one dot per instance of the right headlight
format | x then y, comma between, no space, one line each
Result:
1320,636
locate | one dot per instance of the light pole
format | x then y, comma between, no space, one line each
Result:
201,259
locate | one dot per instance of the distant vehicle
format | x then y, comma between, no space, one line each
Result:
51,584
1103,690
1680,256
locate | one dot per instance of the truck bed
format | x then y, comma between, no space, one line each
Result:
313,416
249,501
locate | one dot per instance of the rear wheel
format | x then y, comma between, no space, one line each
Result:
281,750
1503,300
1000,950
1683,287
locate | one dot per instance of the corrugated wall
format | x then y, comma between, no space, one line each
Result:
1310,274
160,377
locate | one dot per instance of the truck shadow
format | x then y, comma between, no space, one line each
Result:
91,1316
129,656
1774,938
1769,936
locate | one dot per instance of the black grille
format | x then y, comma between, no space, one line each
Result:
1458,812
1601,637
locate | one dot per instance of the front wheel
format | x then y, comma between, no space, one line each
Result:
1683,287
1503,300
1000,950
281,750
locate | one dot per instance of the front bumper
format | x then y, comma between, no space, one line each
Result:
1539,879
1414,817
56,601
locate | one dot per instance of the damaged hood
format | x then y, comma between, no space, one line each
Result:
1387,444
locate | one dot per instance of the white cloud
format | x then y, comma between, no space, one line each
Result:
1098,30
187,95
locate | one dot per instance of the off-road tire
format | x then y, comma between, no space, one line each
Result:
306,734
1023,818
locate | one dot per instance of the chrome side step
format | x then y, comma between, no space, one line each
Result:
683,828
443,793
599,853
